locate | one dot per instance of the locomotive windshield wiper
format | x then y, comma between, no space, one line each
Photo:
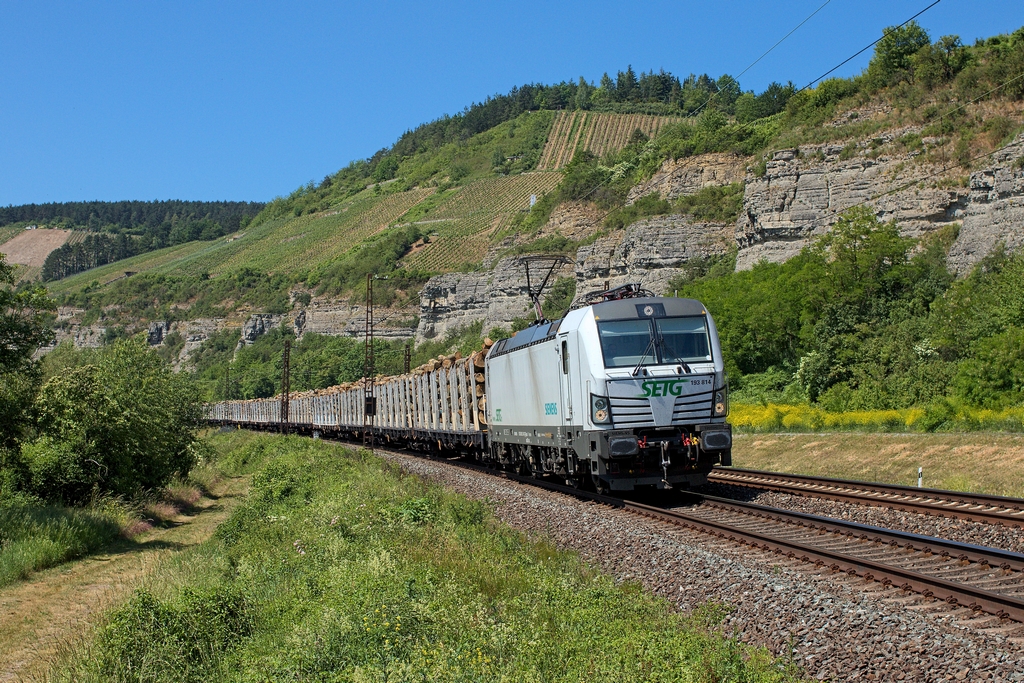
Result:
647,352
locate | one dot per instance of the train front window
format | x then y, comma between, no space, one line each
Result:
624,342
683,340
627,343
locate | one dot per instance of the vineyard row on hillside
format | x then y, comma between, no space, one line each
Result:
595,131
473,215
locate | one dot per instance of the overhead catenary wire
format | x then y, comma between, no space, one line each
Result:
866,48
946,167
934,174
711,97
781,40
833,69
984,95
845,61
764,54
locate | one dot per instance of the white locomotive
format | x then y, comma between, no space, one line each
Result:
626,392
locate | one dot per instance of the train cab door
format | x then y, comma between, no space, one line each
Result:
565,377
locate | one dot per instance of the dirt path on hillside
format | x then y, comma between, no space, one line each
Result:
54,607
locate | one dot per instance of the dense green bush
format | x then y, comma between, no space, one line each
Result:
714,204
648,205
115,421
865,319
150,296
993,376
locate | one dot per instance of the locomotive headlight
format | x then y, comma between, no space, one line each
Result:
721,408
599,410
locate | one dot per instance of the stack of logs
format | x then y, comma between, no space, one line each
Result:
464,377
479,368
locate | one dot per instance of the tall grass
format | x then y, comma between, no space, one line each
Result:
338,567
942,417
35,536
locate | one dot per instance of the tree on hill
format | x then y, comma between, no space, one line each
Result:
24,320
625,84
120,230
134,217
893,53
117,420
24,327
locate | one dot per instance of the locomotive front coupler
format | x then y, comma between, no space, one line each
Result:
674,441
668,449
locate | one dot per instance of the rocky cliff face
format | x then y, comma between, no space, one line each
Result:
995,209
803,192
800,195
451,301
496,298
678,178
194,332
256,326
650,251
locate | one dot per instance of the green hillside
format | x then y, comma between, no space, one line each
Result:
446,192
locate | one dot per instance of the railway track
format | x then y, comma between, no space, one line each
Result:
988,580
968,506
983,579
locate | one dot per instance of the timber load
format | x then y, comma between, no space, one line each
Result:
443,402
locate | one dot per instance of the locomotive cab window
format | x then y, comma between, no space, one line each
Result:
627,343
565,358
624,342
683,340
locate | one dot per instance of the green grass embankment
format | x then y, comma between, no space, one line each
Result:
35,536
339,567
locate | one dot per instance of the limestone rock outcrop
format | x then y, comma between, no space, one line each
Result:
344,318
650,251
803,192
198,331
995,209
156,333
256,326
495,298
507,294
451,301
573,220
690,175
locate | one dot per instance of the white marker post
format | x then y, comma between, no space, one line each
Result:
920,477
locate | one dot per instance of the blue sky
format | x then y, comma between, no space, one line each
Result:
247,101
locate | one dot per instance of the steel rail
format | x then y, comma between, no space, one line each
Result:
975,507
954,593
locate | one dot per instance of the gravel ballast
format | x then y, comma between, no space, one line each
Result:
836,627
